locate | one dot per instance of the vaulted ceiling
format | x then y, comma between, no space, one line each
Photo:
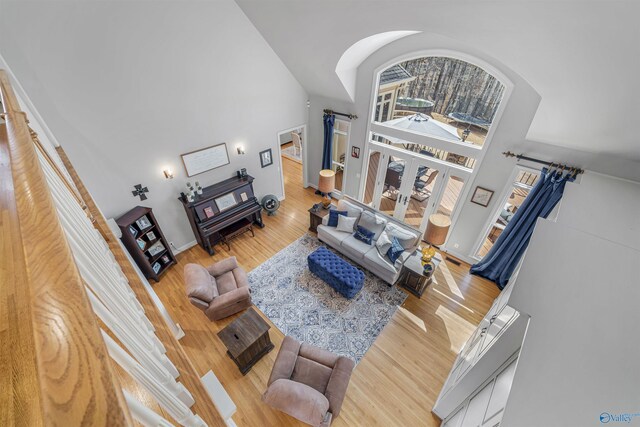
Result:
582,57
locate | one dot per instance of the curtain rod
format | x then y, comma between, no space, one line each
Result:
351,116
531,159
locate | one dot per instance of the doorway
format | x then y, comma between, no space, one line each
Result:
410,186
515,192
292,147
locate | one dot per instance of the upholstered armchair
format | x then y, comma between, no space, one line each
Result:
219,290
308,383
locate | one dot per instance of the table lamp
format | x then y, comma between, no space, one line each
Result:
436,234
326,184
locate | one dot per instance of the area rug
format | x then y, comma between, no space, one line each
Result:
291,153
302,305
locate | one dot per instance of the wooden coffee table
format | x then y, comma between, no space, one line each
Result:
247,340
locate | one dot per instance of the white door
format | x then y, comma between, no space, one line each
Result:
341,130
409,186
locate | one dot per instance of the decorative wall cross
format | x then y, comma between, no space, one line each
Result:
139,191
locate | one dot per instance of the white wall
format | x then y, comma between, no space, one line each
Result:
605,206
126,87
580,353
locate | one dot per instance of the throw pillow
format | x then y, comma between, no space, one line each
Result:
372,222
333,217
406,238
363,234
383,243
352,210
346,224
395,250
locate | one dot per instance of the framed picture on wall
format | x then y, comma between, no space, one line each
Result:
266,158
205,159
482,196
355,152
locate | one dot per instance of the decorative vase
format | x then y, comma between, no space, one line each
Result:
427,269
427,254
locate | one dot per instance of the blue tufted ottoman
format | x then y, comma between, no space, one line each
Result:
336,272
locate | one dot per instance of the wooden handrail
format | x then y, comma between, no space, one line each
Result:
54,362
188,374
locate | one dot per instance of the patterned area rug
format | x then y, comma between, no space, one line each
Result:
301,305
291,153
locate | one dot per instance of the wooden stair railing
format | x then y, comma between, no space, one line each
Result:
55,367
188,375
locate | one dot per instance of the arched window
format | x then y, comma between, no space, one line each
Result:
430,122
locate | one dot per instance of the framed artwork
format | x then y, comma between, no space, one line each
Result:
205,159
156,249
266,159
355,152
133,230
244,197
482,196
156,267
141,243
208,211
225,202
151,236
143,222
165,259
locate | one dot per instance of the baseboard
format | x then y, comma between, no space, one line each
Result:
183,248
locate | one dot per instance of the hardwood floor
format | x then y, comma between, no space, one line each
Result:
398,380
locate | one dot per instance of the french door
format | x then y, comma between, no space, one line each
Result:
409,186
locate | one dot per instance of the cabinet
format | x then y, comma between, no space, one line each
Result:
498,336
485,406
143,238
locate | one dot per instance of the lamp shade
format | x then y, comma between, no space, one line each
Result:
327,181
437,229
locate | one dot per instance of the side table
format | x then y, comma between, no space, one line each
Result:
412,276
247,340
315,217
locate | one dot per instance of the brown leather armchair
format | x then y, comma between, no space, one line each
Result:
219,290
308,383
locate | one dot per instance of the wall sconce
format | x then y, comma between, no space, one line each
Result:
240,149
168,173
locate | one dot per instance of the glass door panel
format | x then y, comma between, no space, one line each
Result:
391,185
373,166
339,149
421,195
447,198
520,188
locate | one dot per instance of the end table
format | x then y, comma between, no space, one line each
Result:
315,217
412,276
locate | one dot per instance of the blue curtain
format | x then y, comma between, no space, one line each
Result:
503,258
328,140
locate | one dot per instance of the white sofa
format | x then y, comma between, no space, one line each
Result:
369,256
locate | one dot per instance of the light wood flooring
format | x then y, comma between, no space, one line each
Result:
398,380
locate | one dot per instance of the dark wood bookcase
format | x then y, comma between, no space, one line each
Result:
143,238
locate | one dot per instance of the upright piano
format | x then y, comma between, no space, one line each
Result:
220,206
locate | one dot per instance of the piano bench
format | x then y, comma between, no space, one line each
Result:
235,230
